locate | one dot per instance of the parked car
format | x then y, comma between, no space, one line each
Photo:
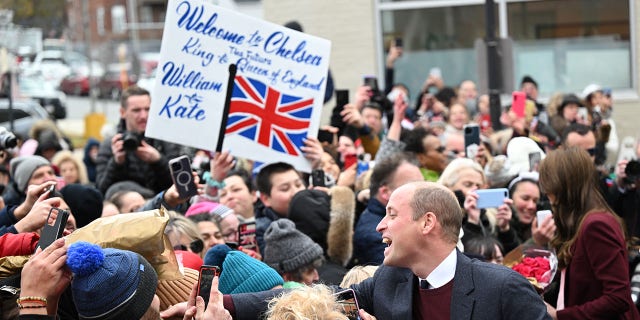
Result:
52,100
25,114
110,85
76,84
51,65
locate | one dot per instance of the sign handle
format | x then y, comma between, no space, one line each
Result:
227,103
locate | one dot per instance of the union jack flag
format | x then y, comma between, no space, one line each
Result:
269,117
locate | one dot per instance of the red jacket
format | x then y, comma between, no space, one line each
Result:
597,284
20,244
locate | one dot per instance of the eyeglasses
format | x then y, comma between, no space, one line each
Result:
591,151
196,246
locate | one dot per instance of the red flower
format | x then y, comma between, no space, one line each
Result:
533,268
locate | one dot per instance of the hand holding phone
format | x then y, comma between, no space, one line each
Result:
317,178
471,140
348,303
204,281
541,215
182,176
52,232
491,198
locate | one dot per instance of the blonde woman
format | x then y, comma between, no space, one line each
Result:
72,170
314,302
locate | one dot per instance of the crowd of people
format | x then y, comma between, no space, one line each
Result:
396,219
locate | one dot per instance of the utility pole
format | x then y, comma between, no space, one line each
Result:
132,25
86,23
493,66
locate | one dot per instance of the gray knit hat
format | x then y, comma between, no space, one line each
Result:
22,169
288,249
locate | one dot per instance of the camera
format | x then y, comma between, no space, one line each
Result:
7,139
632,172
131,141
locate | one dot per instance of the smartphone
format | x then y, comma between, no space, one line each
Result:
491,198
247,236
541,215
471,140
346,299
518,101
485,122
52,232
342,98
204,281
325,136
52,191
372,82
398,42
317,178
534,160
181,173
349,160
435,72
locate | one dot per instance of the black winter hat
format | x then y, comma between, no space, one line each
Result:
85,203
310,210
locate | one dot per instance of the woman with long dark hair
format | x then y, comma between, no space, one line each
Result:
590,241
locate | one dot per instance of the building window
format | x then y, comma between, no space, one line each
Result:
118,21
563,44
100,21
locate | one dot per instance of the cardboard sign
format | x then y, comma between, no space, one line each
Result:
278,93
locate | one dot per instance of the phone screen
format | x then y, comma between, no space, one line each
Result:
247,236
204,281
348,303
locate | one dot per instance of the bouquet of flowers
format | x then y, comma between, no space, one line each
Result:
537,264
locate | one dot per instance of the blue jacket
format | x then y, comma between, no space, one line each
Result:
264,217
367,242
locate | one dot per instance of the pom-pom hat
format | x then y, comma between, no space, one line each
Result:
110,283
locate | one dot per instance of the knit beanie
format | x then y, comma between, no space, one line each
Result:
241,273
216,255
110,283
173,292
287,249
84,201
218,211
22,169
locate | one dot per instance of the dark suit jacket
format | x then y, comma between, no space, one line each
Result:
480,291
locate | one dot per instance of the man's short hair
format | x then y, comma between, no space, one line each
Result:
578,128
414,140
384,170
432,197
263,179
133,90
244,175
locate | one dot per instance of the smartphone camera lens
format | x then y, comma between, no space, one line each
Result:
176,166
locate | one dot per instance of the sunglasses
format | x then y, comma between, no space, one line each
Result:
196,246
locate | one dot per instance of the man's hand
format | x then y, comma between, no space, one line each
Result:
394,54
620,172
37,217
351,116
172,198
147,153
34,192
117,148
365,316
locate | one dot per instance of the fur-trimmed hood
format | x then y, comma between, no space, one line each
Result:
340,234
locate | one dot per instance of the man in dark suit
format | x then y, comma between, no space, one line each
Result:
423,275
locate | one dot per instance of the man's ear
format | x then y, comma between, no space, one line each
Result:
428,222
384,193
266,200
122,112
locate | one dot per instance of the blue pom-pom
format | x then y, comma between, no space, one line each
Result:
216,255
84,258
